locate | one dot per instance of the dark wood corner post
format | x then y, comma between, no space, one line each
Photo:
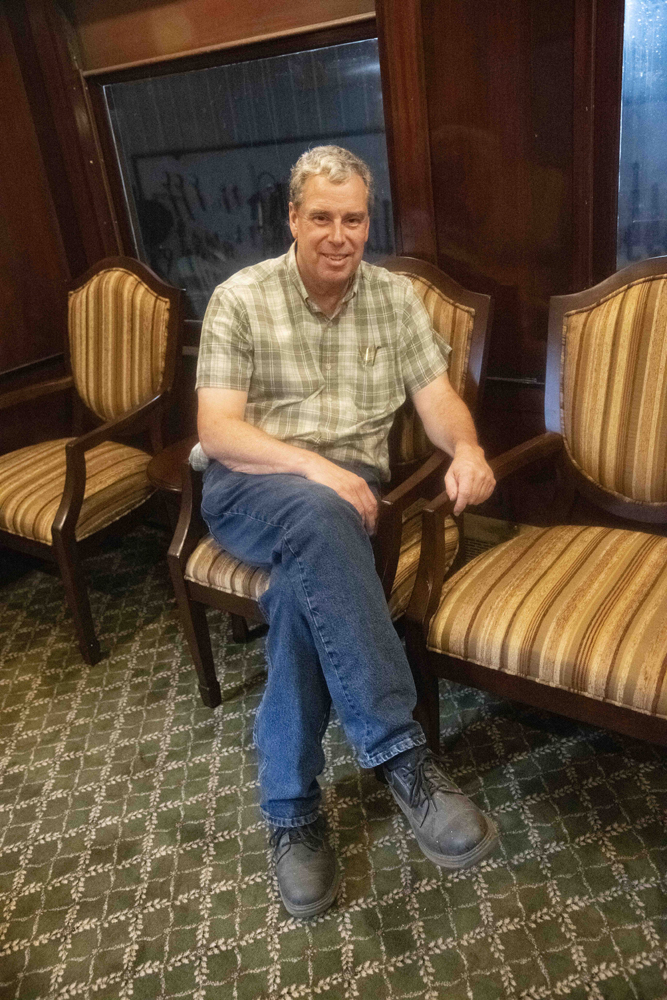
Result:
598,68
87,216
399,26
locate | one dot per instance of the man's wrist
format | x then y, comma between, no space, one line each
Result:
468,447
307,462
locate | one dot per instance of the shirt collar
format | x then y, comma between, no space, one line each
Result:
297,281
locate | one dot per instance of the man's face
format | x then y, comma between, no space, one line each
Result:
331,226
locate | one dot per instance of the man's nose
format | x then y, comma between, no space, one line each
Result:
336,234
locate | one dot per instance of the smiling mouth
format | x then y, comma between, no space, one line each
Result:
335,256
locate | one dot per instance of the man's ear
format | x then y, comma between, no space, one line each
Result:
293,219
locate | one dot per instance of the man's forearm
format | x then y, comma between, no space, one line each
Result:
244,448
449,425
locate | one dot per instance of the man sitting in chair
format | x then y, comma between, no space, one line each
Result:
303,362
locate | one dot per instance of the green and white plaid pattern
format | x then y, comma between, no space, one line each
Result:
329,384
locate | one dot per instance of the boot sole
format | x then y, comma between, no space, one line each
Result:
455,862
319,906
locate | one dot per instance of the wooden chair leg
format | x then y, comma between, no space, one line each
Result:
195,626
76,592
427,709
240,630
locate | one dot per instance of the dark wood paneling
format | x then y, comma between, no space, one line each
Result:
499,84
119,32
401,46
33,265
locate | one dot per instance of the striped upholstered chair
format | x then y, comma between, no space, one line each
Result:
57,498
571,618
204,574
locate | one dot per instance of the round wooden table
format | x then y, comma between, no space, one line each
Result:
164,470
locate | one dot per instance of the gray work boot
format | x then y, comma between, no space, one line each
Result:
449,828
306,867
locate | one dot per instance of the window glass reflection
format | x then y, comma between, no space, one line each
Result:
642,195
205,156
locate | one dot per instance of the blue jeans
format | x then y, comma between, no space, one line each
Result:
330,635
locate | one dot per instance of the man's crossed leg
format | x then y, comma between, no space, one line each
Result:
330,639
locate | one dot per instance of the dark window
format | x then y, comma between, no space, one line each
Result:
642,193
205,156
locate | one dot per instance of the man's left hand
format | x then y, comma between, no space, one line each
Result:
469,479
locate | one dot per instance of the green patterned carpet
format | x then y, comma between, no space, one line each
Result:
133,860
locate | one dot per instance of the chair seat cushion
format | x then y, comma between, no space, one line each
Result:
210,566
32,481
578,608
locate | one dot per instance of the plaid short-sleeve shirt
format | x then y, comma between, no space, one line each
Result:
329,384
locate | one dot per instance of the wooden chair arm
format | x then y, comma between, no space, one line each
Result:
542,446
65,520
29,392
129,423
432,569
190,527
414,486
387,542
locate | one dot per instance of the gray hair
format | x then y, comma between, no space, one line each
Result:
336,163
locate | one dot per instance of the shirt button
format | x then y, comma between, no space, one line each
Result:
328,367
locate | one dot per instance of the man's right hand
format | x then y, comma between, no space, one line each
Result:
347,485
225,435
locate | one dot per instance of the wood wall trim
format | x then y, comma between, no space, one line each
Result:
233,44
118,33
406,117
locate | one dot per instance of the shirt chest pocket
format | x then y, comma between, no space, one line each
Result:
379,384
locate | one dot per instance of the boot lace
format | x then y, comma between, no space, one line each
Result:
427,780
311,836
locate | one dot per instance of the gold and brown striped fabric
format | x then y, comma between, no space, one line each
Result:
454,324
32,481
578,608
210,566
614,390
118,340
408,560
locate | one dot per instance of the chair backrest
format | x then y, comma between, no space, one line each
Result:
607,388
461,318
123,325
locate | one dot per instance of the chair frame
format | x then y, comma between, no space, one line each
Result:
66,551
417,479
428,666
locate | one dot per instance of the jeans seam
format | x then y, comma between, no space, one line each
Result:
293,821
244,513
325,644
407,743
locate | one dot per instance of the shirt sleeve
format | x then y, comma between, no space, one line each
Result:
425,354
226,350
